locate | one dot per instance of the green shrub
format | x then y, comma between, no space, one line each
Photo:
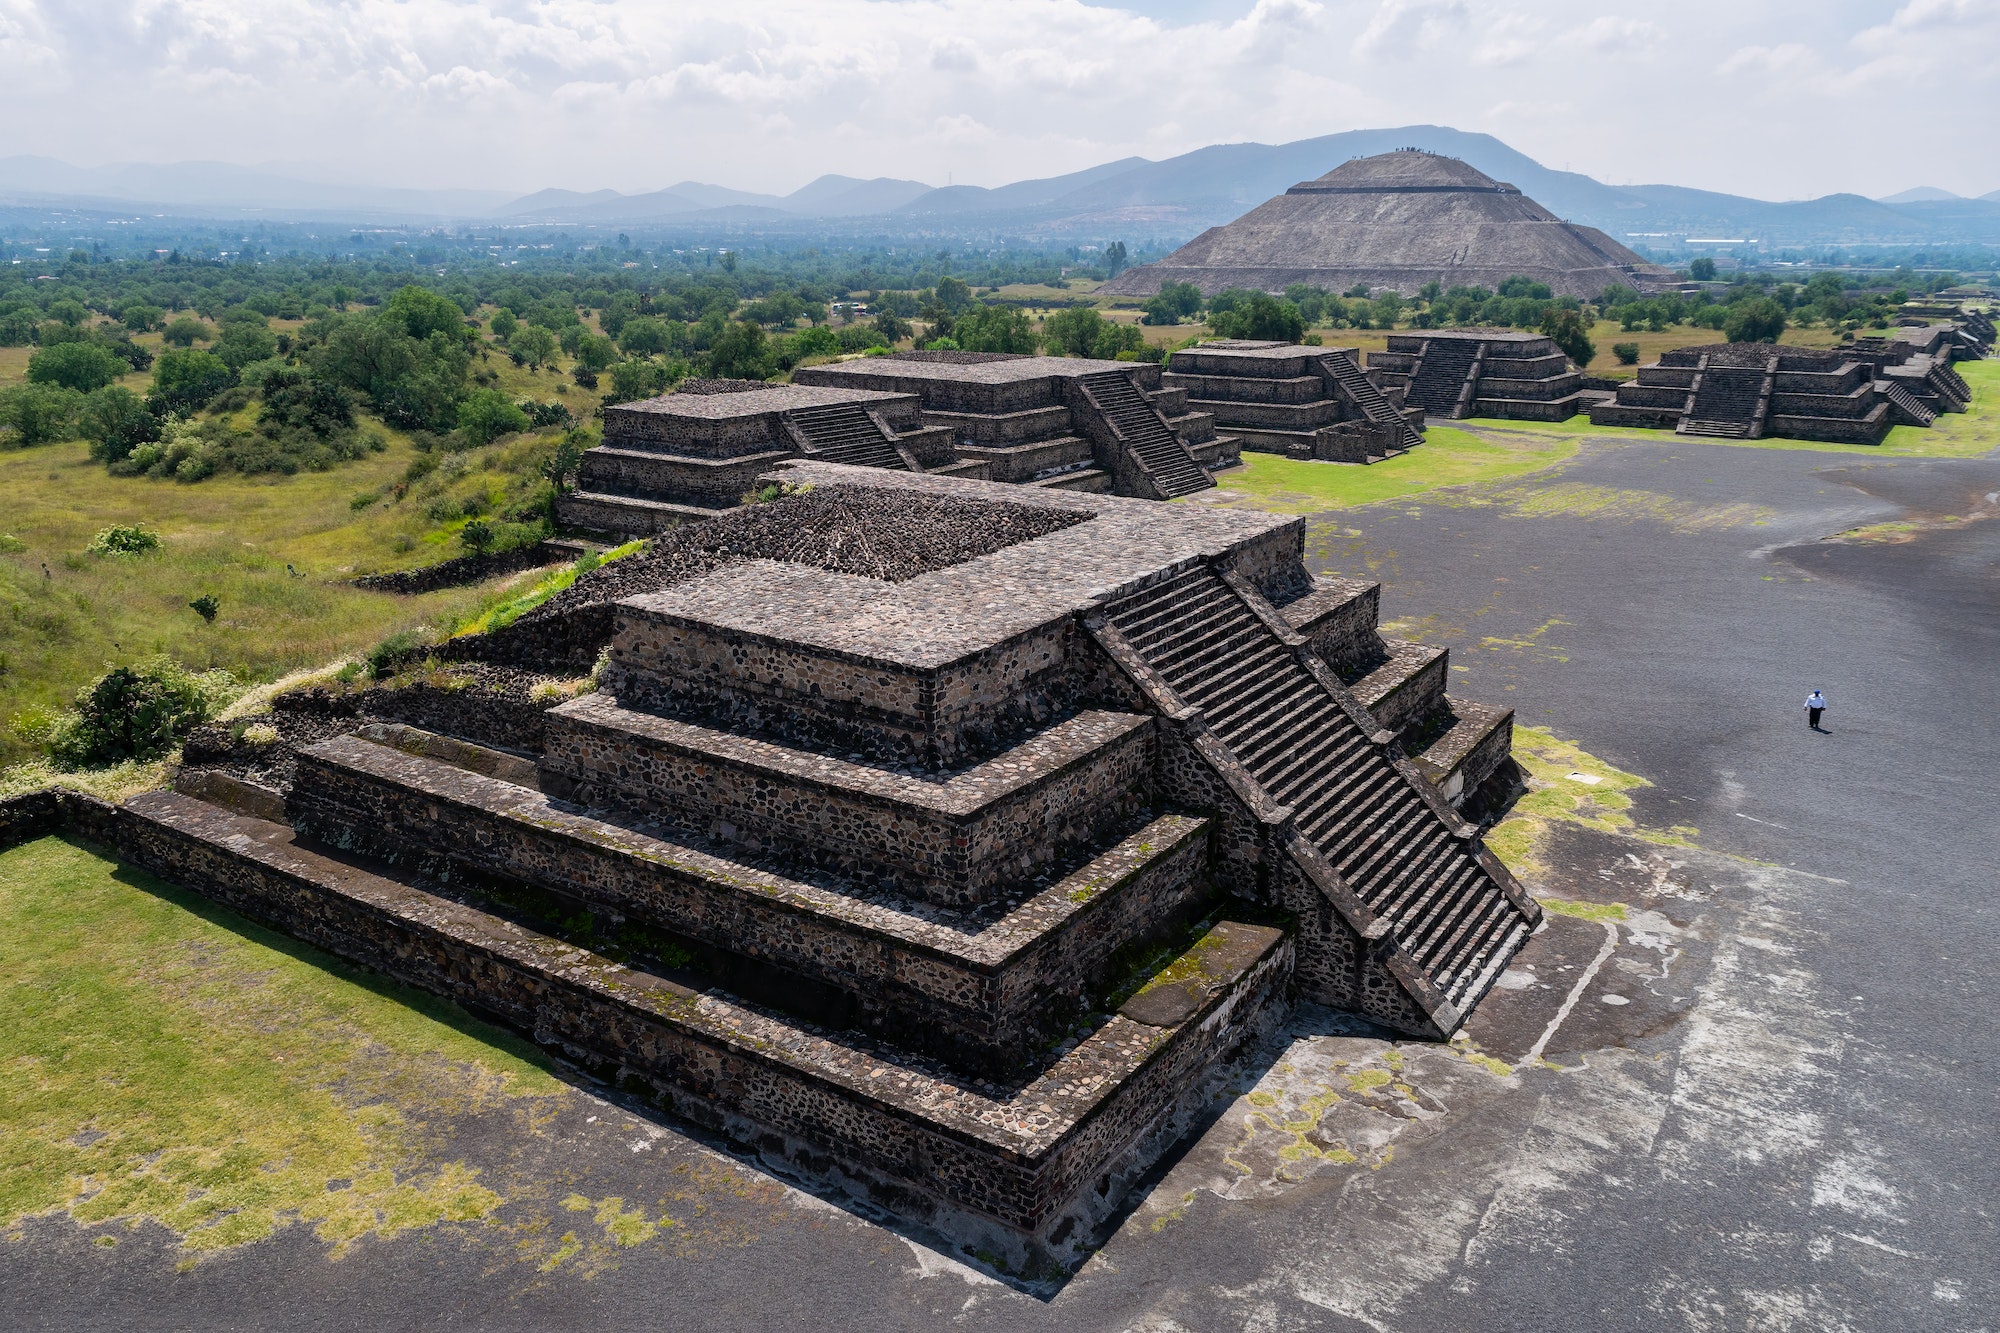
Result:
39,413
206,606
487,414
124,541
137,712
383,659
78,365
1627,353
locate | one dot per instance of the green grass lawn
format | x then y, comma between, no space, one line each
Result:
231,536
164,1060
1447,457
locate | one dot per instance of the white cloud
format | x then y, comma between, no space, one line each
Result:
766,94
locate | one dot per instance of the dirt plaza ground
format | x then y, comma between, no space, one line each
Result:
1740,1079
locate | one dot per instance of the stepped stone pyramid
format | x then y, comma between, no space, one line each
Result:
935,840
1053,422
1457,373
1851,394
1396,220
1303,402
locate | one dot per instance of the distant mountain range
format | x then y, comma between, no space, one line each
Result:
1167,200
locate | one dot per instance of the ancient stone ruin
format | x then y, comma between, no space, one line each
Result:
1851,394
1397,221
1456,373
1303,402
934,840
1051,422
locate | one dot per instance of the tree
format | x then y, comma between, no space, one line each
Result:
995,328
595,352
504,323
185,379
72,313
142,318
243,342
185,332
1757,320
636,379
420,312
891,326
1175,302
487,414
1072,332
79,366
1702,270
741,352
953,296
1262,317
570,338
644,336
1115,258
115,421
1568,331
533,343
39,413
560,470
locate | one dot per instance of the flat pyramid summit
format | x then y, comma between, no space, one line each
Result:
1396,220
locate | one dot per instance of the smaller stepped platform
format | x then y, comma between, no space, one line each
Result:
1755,390
1061,423
1303,402
1456,373
690,455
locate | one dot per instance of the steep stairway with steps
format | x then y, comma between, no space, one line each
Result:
1397,848
1358,389
1913,412
1138,426
1725,403
845,433
1441,373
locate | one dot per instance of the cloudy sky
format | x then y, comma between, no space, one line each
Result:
1764,97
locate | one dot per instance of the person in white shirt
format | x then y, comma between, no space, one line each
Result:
1815,705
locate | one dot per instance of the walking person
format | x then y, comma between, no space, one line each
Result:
1815,705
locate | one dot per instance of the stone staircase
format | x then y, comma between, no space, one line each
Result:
1913,412
1439,382
1725,403
1355,385
1144,434
845,433
1451,910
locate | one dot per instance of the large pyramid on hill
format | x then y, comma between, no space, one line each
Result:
1397,220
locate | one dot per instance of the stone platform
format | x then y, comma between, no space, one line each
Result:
1456,373
953,887
1303,402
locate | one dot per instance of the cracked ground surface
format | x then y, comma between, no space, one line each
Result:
1742,1078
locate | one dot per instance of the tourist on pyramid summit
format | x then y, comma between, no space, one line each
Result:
1815,705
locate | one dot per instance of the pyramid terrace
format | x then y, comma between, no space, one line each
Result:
939,841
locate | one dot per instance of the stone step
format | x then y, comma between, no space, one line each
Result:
1406,688
955,839
982,989
626,515
1092,480
1025,1171
1478,741
1030,459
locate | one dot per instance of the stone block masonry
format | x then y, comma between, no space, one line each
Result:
935,839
